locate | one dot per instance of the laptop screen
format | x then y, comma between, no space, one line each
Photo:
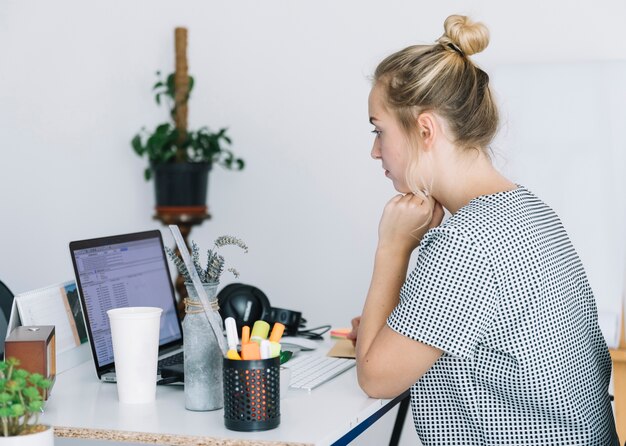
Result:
123,271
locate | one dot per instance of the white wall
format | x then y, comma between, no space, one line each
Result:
290,80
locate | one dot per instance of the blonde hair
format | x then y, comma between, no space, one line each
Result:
441,78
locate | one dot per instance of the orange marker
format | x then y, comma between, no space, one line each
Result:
250,351
277,332
245,335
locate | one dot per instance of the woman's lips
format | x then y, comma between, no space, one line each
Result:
386,173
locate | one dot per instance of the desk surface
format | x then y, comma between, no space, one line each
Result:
81,406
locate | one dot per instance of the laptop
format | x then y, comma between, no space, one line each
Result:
125,270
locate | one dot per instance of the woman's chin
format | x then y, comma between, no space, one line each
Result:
402,188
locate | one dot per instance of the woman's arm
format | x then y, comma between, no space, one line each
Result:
387,362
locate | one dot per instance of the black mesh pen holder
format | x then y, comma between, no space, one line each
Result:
251,394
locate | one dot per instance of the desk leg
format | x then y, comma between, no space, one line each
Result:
403,408
619,392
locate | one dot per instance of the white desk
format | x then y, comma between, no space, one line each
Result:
81,406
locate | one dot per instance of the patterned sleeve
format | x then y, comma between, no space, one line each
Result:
449,299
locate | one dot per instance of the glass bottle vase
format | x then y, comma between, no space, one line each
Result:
203,356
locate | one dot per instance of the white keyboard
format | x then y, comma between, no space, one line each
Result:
312,370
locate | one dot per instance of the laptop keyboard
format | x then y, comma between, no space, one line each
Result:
310,371
171,360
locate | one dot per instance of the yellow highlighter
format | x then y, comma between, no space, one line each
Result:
231,338
260,330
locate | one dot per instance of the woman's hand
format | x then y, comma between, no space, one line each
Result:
405,220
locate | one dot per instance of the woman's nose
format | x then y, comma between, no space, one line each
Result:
375,153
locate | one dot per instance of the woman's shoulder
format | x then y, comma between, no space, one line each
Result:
497,210
494,218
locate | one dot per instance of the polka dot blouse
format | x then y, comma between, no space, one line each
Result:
500,290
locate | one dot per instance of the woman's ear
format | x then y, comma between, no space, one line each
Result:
427,127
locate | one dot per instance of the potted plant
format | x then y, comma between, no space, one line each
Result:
179,158
21,402
203,355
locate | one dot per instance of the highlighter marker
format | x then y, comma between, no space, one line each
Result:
245,335
250,351
260,330
277,333
274,349
231,338
265,349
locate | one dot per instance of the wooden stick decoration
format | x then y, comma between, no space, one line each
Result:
181,90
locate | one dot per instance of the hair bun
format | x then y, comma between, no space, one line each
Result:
468,36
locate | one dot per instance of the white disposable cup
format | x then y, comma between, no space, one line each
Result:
135,335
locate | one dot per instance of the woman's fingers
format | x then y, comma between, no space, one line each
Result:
355,328
404,221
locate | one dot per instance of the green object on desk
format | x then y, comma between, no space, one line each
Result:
285,356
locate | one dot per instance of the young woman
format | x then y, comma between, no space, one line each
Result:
495,329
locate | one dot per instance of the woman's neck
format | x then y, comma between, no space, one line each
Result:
465,177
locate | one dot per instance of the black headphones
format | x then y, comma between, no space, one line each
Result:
248,304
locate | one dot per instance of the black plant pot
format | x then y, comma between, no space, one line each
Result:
181,184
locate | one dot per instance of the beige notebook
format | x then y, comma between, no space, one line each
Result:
343,348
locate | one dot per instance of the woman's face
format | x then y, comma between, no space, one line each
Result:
390,144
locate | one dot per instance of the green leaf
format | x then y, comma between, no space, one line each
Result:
17,410
5,398
13,361
20,373
35,406
35,377
240,164
163,128
137,146
31,393
147,174
171,88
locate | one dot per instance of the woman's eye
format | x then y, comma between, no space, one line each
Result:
376,132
